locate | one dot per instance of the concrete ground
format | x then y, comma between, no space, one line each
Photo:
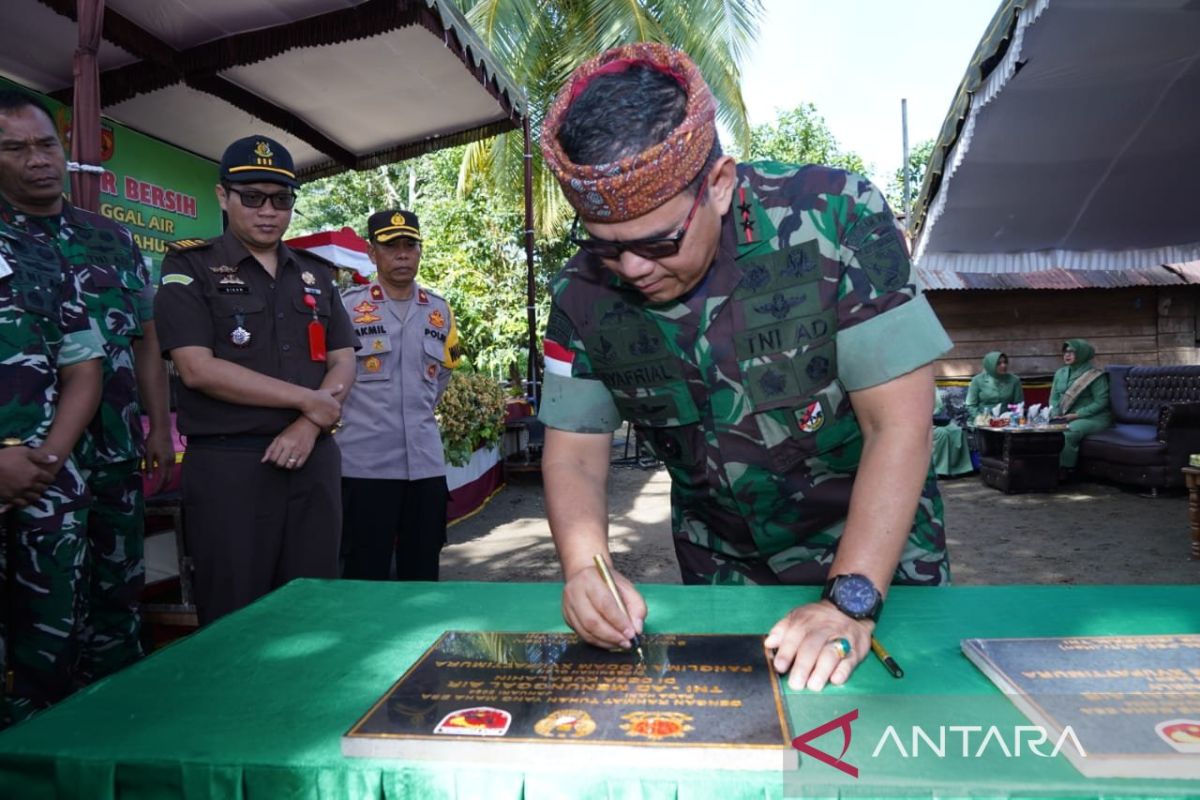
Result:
1084,533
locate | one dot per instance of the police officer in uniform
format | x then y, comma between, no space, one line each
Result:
393,469
761,326
265,351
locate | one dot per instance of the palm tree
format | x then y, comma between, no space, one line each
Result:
542,41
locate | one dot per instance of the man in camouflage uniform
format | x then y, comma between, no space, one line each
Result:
49,389
119,299
761,327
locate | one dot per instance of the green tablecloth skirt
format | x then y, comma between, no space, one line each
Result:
253,707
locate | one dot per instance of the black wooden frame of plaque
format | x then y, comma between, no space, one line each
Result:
689,705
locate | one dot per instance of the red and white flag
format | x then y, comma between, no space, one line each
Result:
558,358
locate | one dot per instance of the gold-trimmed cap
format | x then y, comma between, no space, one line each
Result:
258,159
383,226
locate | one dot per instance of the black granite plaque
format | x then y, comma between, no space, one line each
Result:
697,700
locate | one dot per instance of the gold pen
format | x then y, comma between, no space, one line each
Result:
886,658
602,568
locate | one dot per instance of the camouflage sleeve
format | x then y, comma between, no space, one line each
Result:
573,398
82,345
183,318
144,302
886,327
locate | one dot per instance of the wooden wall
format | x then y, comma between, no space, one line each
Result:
1138,325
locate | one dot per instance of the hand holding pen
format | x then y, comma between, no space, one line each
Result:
606,576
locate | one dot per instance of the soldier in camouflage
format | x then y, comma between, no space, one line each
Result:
118,296
49,389
760,325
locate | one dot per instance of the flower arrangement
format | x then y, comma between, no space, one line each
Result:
470,415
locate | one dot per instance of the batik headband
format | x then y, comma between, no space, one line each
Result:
625,189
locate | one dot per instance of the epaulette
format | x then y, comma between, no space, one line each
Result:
187,244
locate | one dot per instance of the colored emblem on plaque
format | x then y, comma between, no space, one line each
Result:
239,336
656,725
566,724
812,418
436,319
478,721
373,364
1181,734
376,293
308,278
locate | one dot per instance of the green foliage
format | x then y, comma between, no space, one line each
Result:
470,415
918,160
800,136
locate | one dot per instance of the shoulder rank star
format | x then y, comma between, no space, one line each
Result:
422,298
376,293
308,278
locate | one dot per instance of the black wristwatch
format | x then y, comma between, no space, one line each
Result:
854,595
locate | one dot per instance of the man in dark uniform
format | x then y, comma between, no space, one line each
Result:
266,353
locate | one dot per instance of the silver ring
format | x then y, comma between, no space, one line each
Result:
292,460
842,646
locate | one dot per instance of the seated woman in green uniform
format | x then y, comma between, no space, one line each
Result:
994,385
1079,397
951,453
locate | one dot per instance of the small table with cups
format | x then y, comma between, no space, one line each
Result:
1020,459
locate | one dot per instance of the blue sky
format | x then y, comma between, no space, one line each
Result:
855,60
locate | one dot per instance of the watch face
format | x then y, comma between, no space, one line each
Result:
855,595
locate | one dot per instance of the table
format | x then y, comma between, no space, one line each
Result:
1020,459
254,706
1191,476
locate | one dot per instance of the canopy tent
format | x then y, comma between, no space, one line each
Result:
343,84
1073,143
345,248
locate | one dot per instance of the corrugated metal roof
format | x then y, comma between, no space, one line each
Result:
1163,275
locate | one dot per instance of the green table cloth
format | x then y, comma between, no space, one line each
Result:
255,705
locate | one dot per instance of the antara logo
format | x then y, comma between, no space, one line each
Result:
976,742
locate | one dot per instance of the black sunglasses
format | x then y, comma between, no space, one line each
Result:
252,198
653,248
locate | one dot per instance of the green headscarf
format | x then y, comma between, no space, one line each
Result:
1083,358
990,387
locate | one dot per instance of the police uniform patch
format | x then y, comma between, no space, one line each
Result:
437,320
372,364
365,313
378,345
422,298
263,150
182,280
376,293
308,278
